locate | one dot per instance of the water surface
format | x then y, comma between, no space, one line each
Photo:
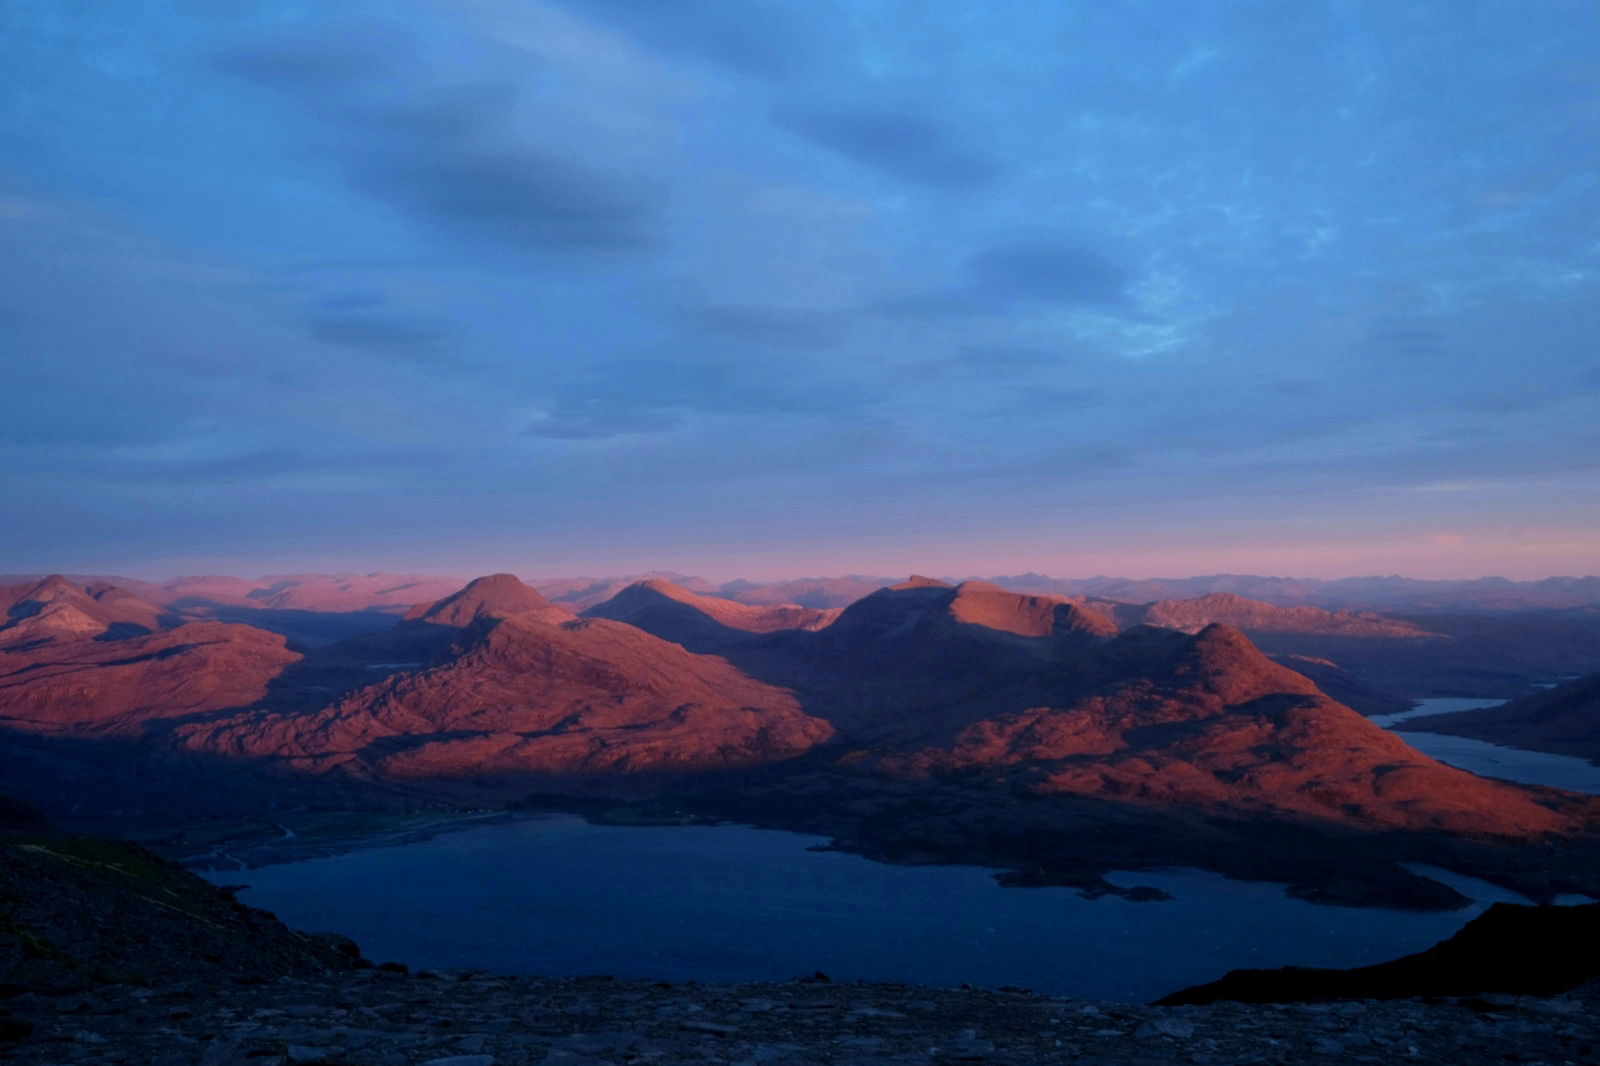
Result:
1493,760
556,895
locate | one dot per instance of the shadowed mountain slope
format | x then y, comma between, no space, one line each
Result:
702,623
1343,686
1564,720
1508,949
76,911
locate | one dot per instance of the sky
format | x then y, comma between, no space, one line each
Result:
766,288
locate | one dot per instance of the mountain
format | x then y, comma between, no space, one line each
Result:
581,593
1255,616
341,592
91,658
817,592
1046,696
1384,658
1390,593
493,597
87,685
55,608
310,609
526,692
895,663
1564,720
702,623
1033,693
924,722
1379,661
1206,719
1343,686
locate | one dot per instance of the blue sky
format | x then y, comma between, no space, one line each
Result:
762,288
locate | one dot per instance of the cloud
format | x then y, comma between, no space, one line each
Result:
1048,271
586,420
523,198
392,335
1008,361
901,144
1408,341
933,304
331,57
750,37
479,160
764,327
1000,277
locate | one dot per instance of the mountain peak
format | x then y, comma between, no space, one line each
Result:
918,581
490,596
51,587
987,604
666,588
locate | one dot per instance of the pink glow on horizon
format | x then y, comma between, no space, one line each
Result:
1530,556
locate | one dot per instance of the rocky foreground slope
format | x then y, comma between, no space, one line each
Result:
376,1018
77,912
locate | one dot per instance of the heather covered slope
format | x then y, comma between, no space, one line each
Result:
89,685
1564,720
76,911
1156,717
526,692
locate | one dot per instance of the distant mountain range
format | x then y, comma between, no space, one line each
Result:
394,593
924,721
1391,593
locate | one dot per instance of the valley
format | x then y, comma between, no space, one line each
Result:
1056,738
